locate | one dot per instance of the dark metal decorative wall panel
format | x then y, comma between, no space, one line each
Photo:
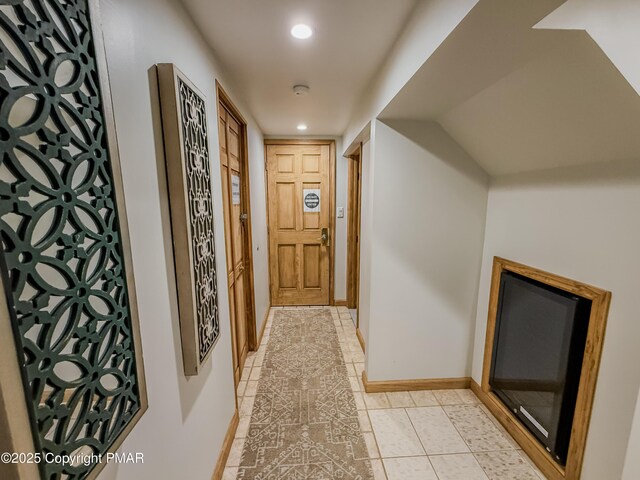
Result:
63,251
198,169
184,118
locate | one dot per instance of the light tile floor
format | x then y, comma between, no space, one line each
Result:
424,435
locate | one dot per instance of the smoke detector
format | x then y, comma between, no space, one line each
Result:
300,90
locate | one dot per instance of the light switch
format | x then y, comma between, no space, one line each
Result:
340,212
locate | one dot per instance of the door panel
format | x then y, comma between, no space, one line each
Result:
285,197
299,209
311,268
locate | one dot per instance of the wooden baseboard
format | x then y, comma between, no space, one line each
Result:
340,303
520,434
360,338
226,447
264,325
378,386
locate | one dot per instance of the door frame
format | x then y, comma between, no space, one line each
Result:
250,302
354,203
332,202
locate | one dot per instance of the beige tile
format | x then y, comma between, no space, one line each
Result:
252,388
533,466
436,431
394,433
468,397
235,454
248,361
505,465
457,467
357,357
243,426
230,473
359,368
372,447
400,399
363,418
378,470
500,428
351,371
477,430
258,359
376,400
246,406
355,386
255,373
448,397
424,398
246,372
409,468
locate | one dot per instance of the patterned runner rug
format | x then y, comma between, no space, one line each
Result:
304,423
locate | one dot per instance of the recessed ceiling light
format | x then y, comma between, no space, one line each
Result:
301,31
302,126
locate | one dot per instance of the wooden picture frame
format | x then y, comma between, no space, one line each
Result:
186,139
17,414
600,300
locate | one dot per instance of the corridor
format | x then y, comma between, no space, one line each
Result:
319,239
415,435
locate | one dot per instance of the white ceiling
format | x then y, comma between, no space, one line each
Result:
252,40
520,99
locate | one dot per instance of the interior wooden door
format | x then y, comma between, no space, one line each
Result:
299,223
354,194
235,217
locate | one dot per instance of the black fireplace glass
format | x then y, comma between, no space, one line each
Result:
539,343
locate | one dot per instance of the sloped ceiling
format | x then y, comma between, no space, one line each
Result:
520,99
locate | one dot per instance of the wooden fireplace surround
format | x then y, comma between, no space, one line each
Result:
593,349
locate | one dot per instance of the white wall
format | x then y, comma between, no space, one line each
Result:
340,260
366,217
259,237
582,223
182,432
428,204
632,464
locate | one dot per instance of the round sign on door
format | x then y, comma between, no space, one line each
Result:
311,199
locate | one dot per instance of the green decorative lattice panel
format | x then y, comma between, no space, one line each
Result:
63,236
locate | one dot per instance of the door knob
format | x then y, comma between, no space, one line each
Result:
324,237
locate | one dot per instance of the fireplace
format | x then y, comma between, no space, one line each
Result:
542,353
538,348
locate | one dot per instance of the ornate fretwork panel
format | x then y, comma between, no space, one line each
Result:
198,183
63,248
186,141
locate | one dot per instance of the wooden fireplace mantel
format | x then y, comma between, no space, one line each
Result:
600,300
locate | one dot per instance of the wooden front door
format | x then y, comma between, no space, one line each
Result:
299,198
235,217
